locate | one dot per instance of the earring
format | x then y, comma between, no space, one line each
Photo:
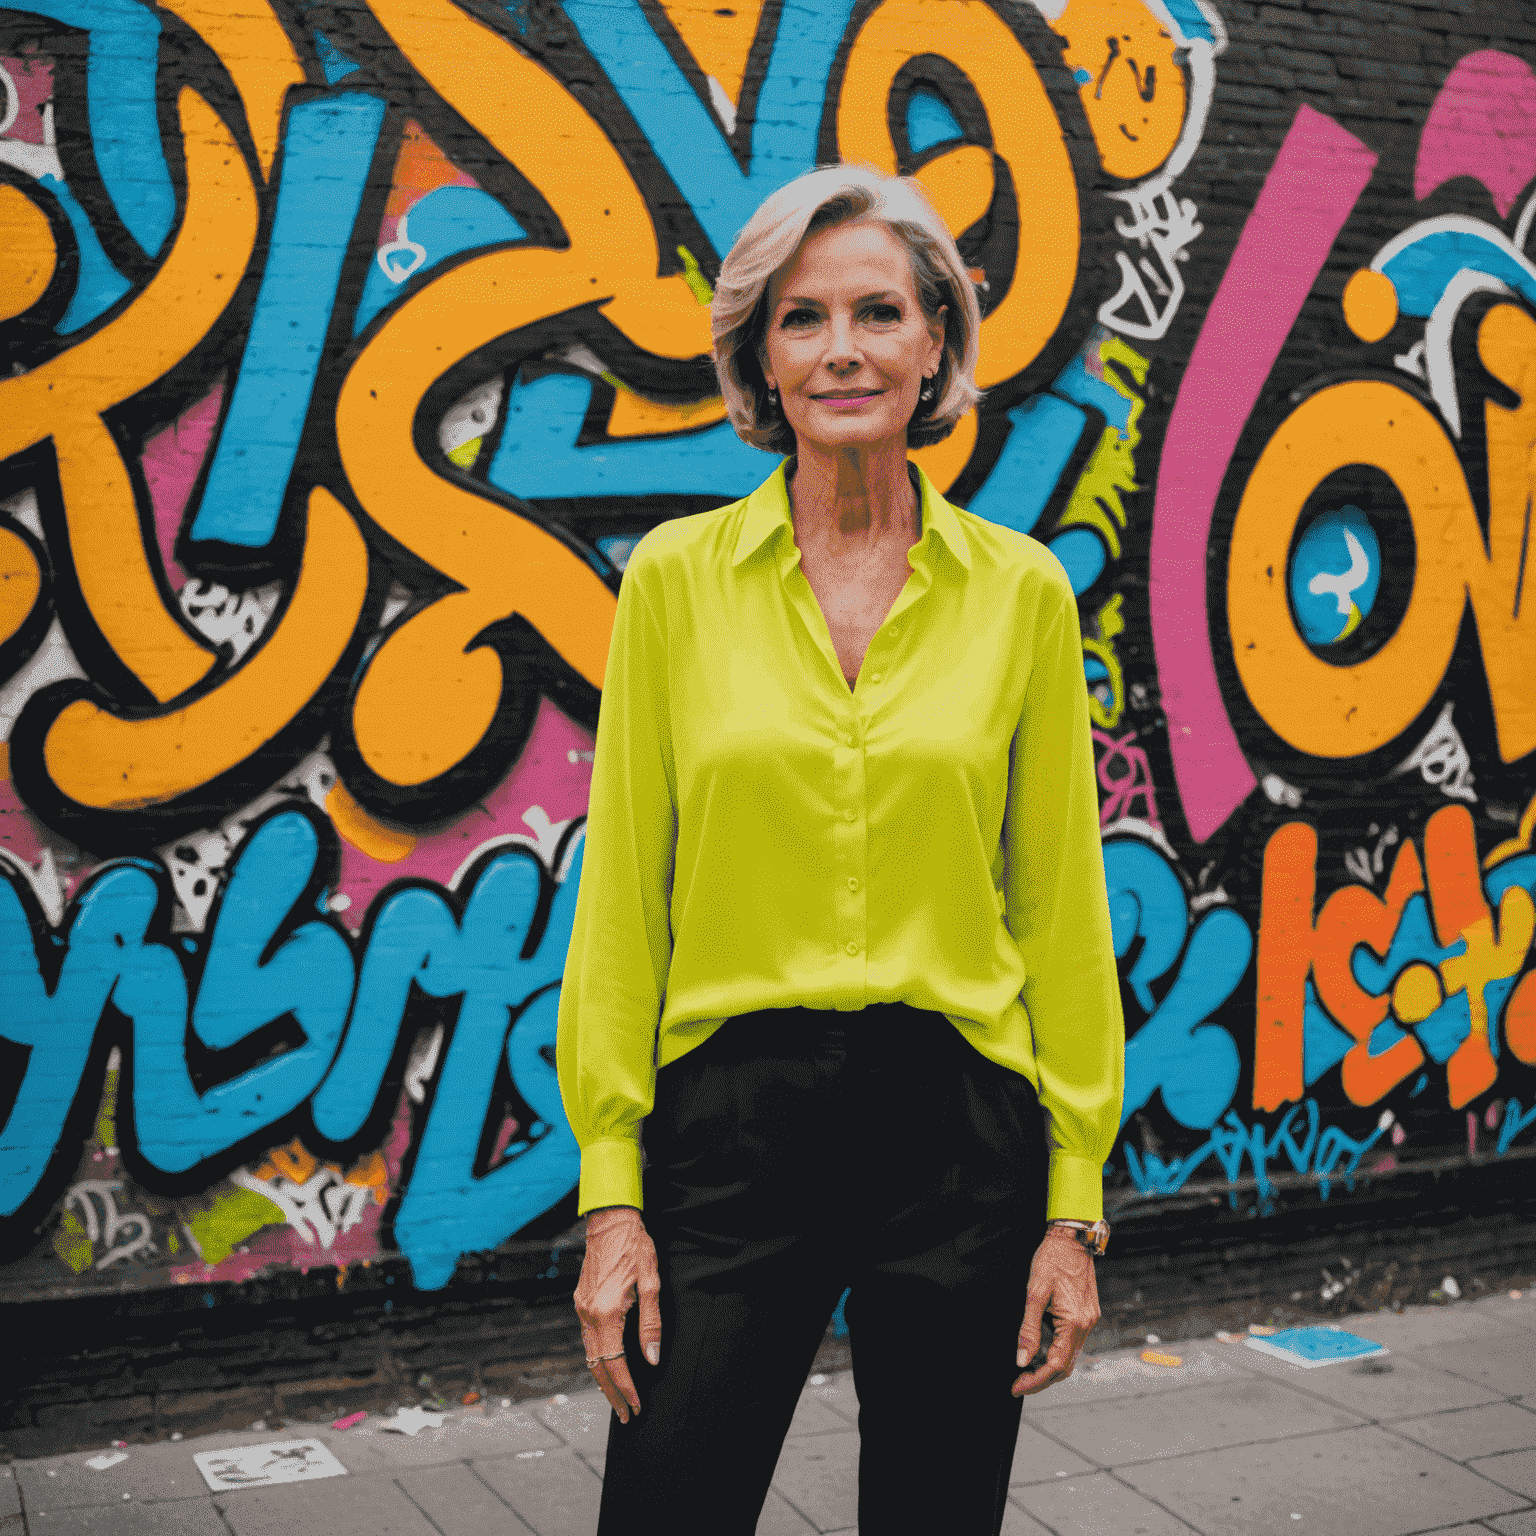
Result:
773,397
926,393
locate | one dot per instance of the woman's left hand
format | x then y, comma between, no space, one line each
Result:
1061,1282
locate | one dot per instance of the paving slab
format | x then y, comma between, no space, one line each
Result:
1366,1481
781,1518
1017,1523
813,1417
819,1475
1200,1418
1515,1470
837,1393
458,1503
1519,1310
1523,1524
1125,1374
1093,1506
1504,1362
1395,1386
1460,1530
555,1495
463,1436
339,1506
188,1517
1037,1458
581,1420
10,1494
149,1473
1419,1328
1469,1432
167,1471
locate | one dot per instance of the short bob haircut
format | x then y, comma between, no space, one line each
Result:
820,199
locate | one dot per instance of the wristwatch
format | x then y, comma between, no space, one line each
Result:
1092,1235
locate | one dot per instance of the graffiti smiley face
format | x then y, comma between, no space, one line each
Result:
1132,87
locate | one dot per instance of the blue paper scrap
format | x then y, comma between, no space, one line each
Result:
1310,1347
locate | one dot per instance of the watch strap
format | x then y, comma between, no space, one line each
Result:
1092,1235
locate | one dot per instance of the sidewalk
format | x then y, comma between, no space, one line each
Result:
1439,1435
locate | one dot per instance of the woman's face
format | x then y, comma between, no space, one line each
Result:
847,346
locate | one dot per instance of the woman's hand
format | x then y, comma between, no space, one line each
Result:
620,1264
1061,1282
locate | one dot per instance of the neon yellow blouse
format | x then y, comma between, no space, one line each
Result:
759,836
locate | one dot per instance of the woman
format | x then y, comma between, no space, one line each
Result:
842,944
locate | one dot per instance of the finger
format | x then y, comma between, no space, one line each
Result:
1034,1381
1056,1366
1029,1329
610,1391
650,1318
623,1384
607,1338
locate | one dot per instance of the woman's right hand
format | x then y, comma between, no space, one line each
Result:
620,1265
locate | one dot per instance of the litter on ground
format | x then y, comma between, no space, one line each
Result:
1312,1347
411,1421
262,1466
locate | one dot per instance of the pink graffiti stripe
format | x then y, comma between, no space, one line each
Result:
554,773
1315,181
1483,124
171,460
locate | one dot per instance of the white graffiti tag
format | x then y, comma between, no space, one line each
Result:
1162,225
1343,587
1442,759
126,1233
320,1209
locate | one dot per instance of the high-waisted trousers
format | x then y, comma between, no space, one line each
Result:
795,1154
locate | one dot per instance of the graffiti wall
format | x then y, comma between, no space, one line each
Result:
347,347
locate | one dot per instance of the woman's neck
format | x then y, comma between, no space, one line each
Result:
859,496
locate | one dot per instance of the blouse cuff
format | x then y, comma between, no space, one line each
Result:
610,1175
1076,1190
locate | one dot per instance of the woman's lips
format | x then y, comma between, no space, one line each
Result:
847,402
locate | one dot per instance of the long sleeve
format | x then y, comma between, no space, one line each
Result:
1058,912
621,941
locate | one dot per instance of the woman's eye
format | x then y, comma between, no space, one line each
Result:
799,317
883,314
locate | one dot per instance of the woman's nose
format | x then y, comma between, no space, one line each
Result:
842,351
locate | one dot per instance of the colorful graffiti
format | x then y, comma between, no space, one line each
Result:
1371,666
349,349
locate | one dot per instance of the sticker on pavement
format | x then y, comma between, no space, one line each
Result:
262,1466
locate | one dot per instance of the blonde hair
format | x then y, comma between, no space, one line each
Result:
820,199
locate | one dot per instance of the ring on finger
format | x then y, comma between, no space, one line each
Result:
595,1360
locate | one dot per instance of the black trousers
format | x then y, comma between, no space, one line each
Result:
795,1154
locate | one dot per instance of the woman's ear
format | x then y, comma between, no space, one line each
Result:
936,335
